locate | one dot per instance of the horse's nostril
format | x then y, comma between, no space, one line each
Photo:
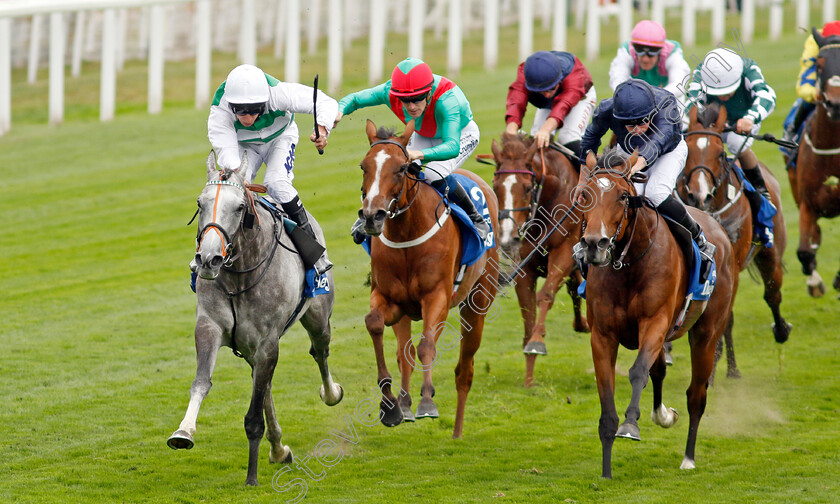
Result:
380,215
603,243
216,261
517,239
691,200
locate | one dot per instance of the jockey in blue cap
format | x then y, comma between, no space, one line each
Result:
647,120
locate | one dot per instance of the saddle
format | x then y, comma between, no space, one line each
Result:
762,210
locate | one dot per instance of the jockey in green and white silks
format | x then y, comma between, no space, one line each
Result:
445,134
253,114
737,83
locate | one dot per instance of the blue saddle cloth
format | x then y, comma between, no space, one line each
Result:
696,290
473,246
764,220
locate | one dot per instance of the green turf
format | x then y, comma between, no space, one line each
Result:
99,356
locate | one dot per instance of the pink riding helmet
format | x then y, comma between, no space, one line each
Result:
648,33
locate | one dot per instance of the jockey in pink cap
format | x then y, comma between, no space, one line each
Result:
651,57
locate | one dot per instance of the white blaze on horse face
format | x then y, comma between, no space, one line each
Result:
507,224
705,184
373,191
702,143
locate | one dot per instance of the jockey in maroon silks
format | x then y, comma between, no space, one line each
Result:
561,88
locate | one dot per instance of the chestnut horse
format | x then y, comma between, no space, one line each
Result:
635,299
709,184
415,256
819,159
534,189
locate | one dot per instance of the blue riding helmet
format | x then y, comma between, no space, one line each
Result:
545,69
633,100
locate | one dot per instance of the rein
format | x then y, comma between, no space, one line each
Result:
395,201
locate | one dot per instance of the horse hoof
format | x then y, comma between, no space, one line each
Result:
782,332
663,417
581,327
687,464
669,360
408,416
180,440
391,416
332,401
817,290
836,282
284,458
535,348
733,373
427,409
628,431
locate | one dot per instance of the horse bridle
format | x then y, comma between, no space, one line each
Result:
536,194
391,209
632,201
228,238
724,163
833,110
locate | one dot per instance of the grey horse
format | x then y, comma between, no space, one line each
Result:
249,292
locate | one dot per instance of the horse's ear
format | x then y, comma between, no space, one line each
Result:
211,165
409,130
692,116
497,154
591,160
370,129
818,36
720,123
632,160
243,165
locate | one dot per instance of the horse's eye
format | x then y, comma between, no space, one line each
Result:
528,189
240,207
624,196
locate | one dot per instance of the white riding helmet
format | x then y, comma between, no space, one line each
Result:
246,84
722,72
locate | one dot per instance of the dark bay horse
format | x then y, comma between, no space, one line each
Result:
709,183
249,292
819,160
534,191
415,255
635,290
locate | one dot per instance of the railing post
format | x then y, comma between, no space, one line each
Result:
157,39
558,31
454,37
415,28
203,51
526,28
56,68
108,78
5,75
292,65
491,34
34,48
335,49
377,41
593,30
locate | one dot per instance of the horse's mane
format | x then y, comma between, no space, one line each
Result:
708,115
609,158
384,133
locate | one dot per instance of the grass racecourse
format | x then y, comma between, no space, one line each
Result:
98,331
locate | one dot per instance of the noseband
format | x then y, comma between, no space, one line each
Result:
724,163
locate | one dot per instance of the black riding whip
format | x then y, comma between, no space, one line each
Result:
315,112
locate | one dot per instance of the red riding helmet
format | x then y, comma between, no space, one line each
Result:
411,77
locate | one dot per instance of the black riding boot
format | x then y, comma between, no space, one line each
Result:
673,208
792,130
459,196
294,209
757,180
575,160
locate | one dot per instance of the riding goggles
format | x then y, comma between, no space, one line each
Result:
637,122
248,108
647,50
414,99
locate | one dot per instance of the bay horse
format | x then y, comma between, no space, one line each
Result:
635,299
249,292
819,160
709,183
415,255
535,193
